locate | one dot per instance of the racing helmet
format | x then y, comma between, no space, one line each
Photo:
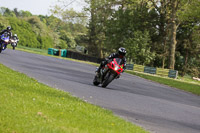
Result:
122,51
8,28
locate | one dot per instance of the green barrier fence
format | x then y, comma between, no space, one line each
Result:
56,52
50,51
63,52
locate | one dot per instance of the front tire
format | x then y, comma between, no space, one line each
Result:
1,48
95,82
108,79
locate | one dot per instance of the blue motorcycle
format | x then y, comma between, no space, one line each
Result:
4,41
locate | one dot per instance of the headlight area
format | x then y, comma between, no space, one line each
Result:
116,68
7,40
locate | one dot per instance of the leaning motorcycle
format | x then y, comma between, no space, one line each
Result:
111,71
13,42
4,41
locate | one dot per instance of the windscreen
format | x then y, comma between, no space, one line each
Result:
119,61
5,35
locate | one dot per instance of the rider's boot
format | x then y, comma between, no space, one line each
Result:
98,71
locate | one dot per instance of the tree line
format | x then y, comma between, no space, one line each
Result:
39,31
158,33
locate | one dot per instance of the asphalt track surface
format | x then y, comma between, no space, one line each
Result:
155,107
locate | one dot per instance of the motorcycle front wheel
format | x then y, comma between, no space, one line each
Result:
1,48
108,78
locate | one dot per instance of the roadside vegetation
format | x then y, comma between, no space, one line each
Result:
29,106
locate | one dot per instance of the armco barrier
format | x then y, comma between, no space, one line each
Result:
153,70
73,55
50,51
63,52
80,56
162,72
173,74
56,52
138,68
129,66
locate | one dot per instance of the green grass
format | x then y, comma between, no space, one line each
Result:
27,106
35,50
183,85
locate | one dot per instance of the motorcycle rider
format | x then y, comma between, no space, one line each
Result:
8,31
119,54
14,37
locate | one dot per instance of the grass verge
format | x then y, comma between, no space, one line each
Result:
183,85
32,107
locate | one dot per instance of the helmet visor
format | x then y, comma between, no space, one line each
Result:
122,53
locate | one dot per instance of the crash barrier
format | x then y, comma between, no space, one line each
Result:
50,51
153,70
129,66
57,52
63,52
173,74
81,56
73,55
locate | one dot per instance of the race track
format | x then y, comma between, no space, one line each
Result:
157,108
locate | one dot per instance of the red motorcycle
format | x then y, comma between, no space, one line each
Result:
111,71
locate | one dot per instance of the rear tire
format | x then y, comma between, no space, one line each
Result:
107,80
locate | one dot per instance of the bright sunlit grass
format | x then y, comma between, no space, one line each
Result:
27,106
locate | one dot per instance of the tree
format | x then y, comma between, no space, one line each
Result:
174,10
138,48
69,15
25,13
9,13
17,14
